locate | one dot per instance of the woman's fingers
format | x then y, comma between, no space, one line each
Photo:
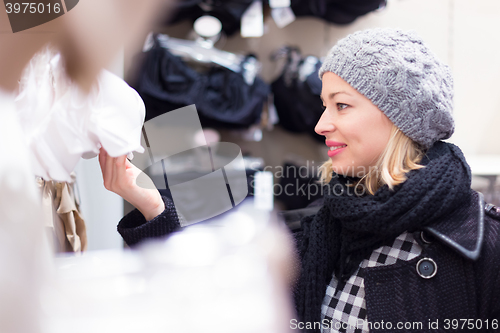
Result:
120,176
113,171
108,173
102,160
120,179
105,163
132,169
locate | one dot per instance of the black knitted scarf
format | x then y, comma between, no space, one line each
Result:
349,227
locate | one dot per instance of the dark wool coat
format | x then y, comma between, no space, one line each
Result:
463,295
466,250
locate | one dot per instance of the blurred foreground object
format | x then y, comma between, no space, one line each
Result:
23,253
225,275
95,30
89,36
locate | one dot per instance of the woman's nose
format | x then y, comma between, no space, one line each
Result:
325,124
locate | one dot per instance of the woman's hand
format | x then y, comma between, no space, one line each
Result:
120,177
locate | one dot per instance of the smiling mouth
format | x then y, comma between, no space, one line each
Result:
333,148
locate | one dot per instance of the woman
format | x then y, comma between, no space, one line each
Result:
401,241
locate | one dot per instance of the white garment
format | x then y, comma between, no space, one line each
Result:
23,248
62,124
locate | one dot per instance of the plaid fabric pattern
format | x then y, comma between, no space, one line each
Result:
345,312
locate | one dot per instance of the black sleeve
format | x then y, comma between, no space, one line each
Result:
134,228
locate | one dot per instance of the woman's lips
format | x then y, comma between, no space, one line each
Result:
335,147
336,151
331,143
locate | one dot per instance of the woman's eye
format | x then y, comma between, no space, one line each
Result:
341,106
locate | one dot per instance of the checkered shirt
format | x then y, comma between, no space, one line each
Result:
344,311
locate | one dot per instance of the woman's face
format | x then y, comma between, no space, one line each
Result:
356,131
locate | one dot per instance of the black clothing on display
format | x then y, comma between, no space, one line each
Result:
229,12
297,94
336,11
222,97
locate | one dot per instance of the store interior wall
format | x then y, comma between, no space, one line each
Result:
462,33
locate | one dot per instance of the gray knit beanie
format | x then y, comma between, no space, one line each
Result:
401,76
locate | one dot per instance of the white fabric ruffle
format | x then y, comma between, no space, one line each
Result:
62,124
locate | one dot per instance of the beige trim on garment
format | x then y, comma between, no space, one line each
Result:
61,214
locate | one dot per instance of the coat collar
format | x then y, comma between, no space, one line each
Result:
463,231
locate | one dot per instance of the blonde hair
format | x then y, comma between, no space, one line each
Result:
400,156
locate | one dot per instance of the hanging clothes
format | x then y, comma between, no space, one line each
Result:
62,216
336,11
297,94
222,97
61,124
229,12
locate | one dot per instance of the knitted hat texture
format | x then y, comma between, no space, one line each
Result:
401,76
